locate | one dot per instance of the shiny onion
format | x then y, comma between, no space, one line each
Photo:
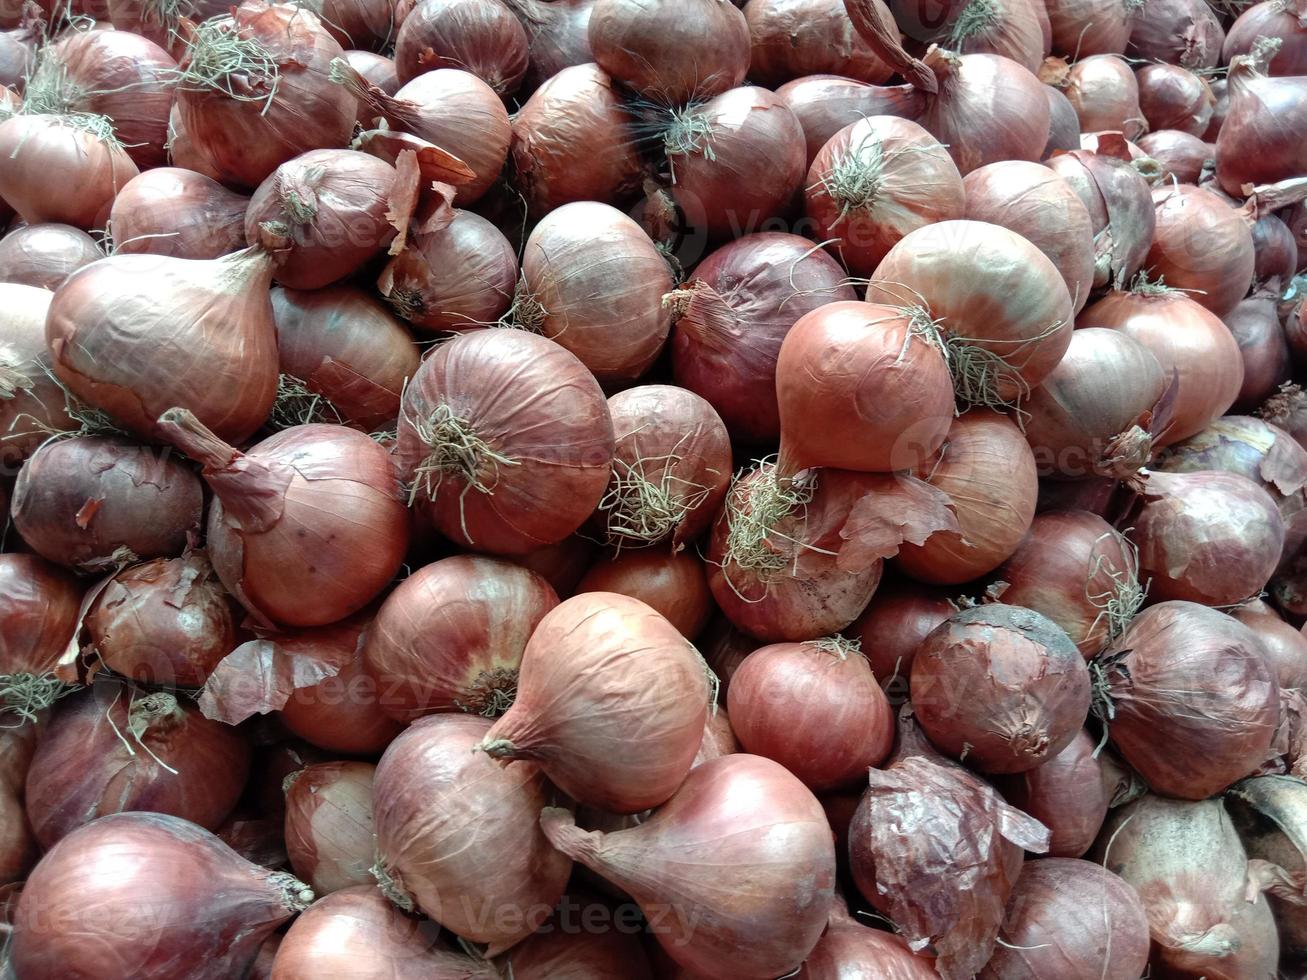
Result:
506,441
1181,156
39,609
848,948
1105,94
1264,137
674,585
329,825
557,34
479,36
1207,537
305,528
255,91
1276,250
166,622
611,703
343,358
93,166
573,141
1071,918
33,406
791,39
815,708
456,835
176,212
148,915
825,104
874,182
451,635
1263,347
861,388
727,865
1177,32
1282,19
891,628
368,24
1085,27
1172,97
669,54
45,255
562,564
1284,646
134,334
112,748
732,316
1063,123
987,469
1001,305
94,503
1194,705
1201,244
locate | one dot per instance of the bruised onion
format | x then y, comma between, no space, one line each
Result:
825,104
1177,32
329,825
1172,97
39,611
1284,646
33,405
305,528
479,36
794,38
1181,156
1084,27
674,585
611,703
171,211
1103,90
1262,138
891,628
1281,19
45,255
1201,244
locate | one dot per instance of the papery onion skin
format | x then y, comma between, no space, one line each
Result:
45,255
329,825
794,38
1284,646
825,104
480,36
1105,94
1275,18
674,585
1172,97
209,909
91,502
1200,705
171,211
1201,243
1069,794
1180,155
1084,27
1261,140
34,406
456,834
891,628
1177,32
39,611
378,70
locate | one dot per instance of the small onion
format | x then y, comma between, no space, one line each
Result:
1084,27
45,255
329,825
479,36
825,104
557,33
891,628
674,585
1177,32
1105,94
1262,138
171,211
33,405
1281,19
1284,646
39,608
794,38
1172,97
1181,156
1203,244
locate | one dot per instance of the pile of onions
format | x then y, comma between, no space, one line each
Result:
1282,19
825,104
134,334
572,141
255,92
1202,244
45,255
39,606
1172,97
1194,704
1207,537
171,211
32,404
671,54
558,36
1264,137
479,36
167,622
1071,918
184,882
111,748
456,835
1103,90
675,585
671,467
343,358
593,281
506,440
791,40
1194,348
1177,32
329,825
93,503
724,864
874,182
1284,646
611,703
1085,27
451,635
732,317
306,527
891,628
815,708
1181,156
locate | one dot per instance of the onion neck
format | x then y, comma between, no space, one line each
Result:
559,826
1126,454
197,440
295,895
704,314
154,714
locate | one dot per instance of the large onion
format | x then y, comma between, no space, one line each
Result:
45,255
825,104
1282,19
1172,97
891,628
674,585
329,825
479,36
1201,244
33,405
1105,95
794,38
171,211
1262,139
39,607
1183,32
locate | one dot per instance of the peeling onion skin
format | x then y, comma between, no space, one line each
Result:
329,825
1069,794
45,255
1268,812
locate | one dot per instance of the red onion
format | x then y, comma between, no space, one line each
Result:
132,334
378,70
1221,92
479,36
33,405
1201,244
1263,138
891,628
1284,646
673,585
1263,347
93,503
1015,29
1193,703
1172,97
1063,123
724,649
825,104
39,608
873,183
1282,19
329,825
1276,250
506,440
1183,32
176,212
113,748
718,738
732,316
168,622
572,141
1087,27
585,938
162,23
600,650
671,55
562,564
1287,410
343,358
850,949
369,24
45,255
723,866
18,848
1103,90
148,915
1267,811
455,834
1181,156
558,35
254,91
794,38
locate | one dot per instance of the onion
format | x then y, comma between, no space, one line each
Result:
176,212
873,183
1281,19
891,628
794,38
329,825
1177,32
1071,918
590,712
1201,244
1172,97
111,749
675,586
572,140
732,317
479,36
1193,703
1003,309
39,608
723,855
987,469
162,23
1287,410
45,255
585,938
455,834
506,439
1262,139
254,91
1103,90
671,55
343,358
558,35
1263,346
1193,347
378,70
825,104
1276,250
369,24
1087,27
1267,811
168,622
718,738
18,848
132,334
451,636
850,949
17,59
1221,92
562,564
1063,123
1015,29
33,406
93,503
1181,156
1284,646
815,708
183,880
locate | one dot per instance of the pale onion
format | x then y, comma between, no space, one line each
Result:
329,825
45,255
